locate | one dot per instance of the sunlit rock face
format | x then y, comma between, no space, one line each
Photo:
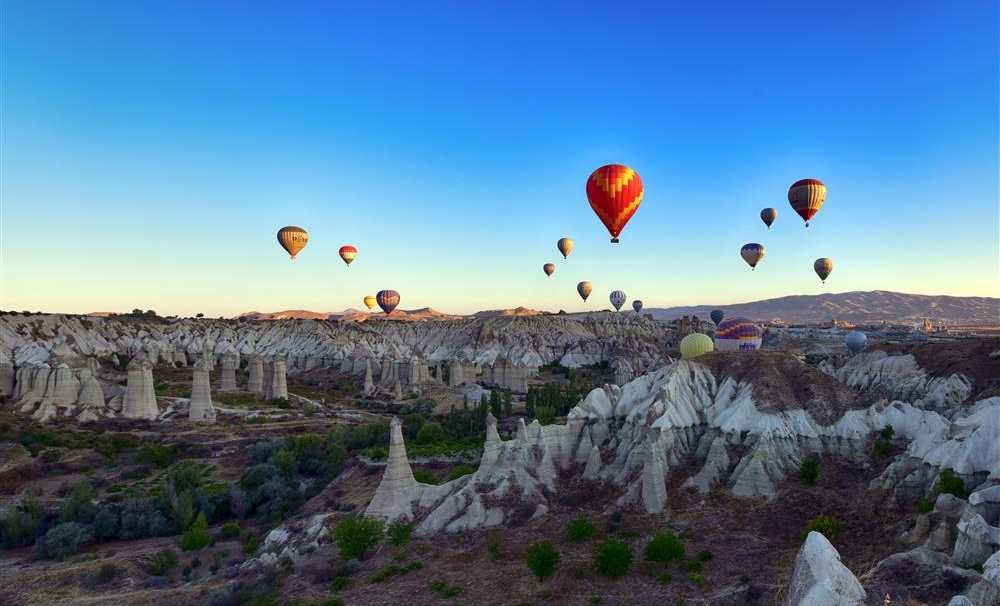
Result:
140,400
820,578
200,406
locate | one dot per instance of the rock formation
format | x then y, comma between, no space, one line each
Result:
227,377
369,386
61,391
140,399
6,379
255,382
91,401
275,386
820,579
200,406
393,498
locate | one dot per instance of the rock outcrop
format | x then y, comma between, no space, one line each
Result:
227,377
140,398
275,381
200,406
820,579
255,371
394,496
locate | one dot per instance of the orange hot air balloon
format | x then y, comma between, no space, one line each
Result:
293,239
615,192
584,289
806,197
347,253
369,301
565,246
549,268
823,267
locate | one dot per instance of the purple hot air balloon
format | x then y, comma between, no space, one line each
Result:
387,300
637,305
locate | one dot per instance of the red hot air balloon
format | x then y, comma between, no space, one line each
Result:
387,300
806,197
347,253
615,192
549,268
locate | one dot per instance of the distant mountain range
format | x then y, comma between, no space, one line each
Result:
859,307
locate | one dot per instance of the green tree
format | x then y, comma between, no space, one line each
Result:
809,471
508,403
613,558
665,547
580,529
430,433
827,526
196,537
355,536
496,405
543,558
545,415
949,483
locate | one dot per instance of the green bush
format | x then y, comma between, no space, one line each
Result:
399,533
355,536
444,590
579,530
827,526
286,462
230,530
107,573
460,470
696,578
613,558
196,537
542,559
882,447
666,578
425,477
63,541
705,556
430,433
887,432
79,507
925,505
809,471
161,563
494,544
664,547
250,543
339,583
949,483
158,454
545,415
694,565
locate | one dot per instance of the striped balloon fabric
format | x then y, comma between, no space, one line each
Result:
348,253
387,300
738,334
617,299
806,197
615,193
293,239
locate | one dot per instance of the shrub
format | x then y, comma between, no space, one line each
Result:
63,541
827,526
196,537
545,415
882,447
613,558
107,573
666,579
161,563
705,556
286,462
494,544
425,477
543,558
250,544
580,530
230,530
158,454
106,523
399,533
339,583
694,565
664,547
355,536
887,432
696,578
809,472
79,507
925,505
949,483
444,590
430,433
459,471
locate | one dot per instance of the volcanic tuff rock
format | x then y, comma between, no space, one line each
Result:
140,399
227,378
820,579
200,406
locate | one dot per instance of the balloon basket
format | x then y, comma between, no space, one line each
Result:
614,240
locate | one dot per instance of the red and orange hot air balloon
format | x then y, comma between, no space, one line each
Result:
549,268
348,253
806,197
615,192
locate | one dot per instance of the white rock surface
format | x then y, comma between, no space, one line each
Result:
200,406
820,579
396,491
140,399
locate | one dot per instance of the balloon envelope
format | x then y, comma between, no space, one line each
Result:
752,253
768,215
387,300
696,344
565,246
717,315
549,268
617,299
293,239
738,334
584,289
823,267
370,301
637,305
806,197
855,341
615,192
348,253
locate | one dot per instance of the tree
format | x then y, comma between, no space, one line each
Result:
580,529
63,541
431,433
196,537
496,405
355,536
508,404
665,547
827,526
543,558
613,558
809,472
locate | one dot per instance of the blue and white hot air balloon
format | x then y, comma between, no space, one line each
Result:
617,299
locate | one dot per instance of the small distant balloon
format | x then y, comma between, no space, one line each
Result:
387,300
617,299
549,268
370,301
823,267
584,289
293,239
615,192
855,341
637,305
348,253
717,315
752,253
768,215
565,246
806,197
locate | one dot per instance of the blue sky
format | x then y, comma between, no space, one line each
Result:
151,151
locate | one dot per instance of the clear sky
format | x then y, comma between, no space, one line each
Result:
152,149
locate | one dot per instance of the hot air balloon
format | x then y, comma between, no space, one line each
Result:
738,334
370,301
617,299
387,300
823,267
549,268
293,239
752,253
717,315
565,246
615,192
347,253
806,197
637,305
768,215
584,288
696,344
855,341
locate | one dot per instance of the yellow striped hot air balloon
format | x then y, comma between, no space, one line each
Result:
823,267
696,344
370,301
584,289
806,197
293,239
565,246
